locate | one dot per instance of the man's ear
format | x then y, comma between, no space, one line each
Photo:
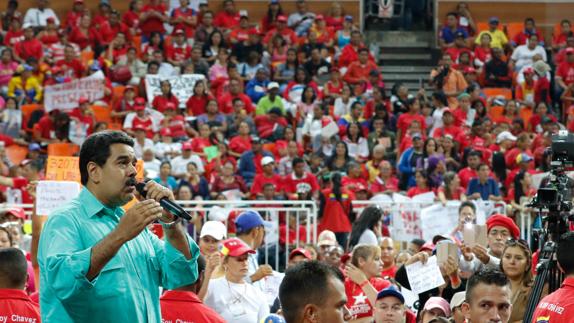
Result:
94,172
465,307
311,313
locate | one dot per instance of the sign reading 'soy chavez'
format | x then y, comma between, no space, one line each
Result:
65,96
181,86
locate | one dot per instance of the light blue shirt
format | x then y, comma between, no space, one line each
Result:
127,288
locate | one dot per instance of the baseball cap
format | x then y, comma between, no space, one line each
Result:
457,300
523,158
267,160
569,50
186,146
503,221
282,19
428,246
349,18
128,88
493,20
438,302
391,291
234,247
505,135
34,146
273,85
327,238
179,32
249,220
139,107
139,101
459,34
243,13
17,212
214,229
166,132
27,25
273,318
300,251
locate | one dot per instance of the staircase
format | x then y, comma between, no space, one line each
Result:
403,56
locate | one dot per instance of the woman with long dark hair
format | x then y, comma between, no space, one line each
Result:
367,228
197,102
269,21
210,49
339,159
522,188
336,211
160,101
357,142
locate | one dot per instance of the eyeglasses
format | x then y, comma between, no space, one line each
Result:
513,242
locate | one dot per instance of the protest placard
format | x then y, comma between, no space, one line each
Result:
445,249
51,195
438,219
65,96
63,168
424,277
181,86
474,234
406,222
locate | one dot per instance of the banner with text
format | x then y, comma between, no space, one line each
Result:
65,96
51,195
181,86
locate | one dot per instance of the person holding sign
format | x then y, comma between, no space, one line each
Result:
100,263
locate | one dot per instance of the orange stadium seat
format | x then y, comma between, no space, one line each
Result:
103,114
115,126
494,92
525,114
118,93
86,56
16,154
27,110
63,149
496,112
513,29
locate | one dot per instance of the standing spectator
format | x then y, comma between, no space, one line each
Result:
358,71
483,187
300,181
38,17
184,18
14,34
336,210
152,18
228,18
498,37
367,228
14,302
449,80
408,162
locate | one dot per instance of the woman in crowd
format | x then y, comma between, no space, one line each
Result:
356,142
165,177
339,159
335,17
343,103
516,263
343,36
84,35
422,184
294,90
510,113
155,43
386,182
336,210
522,188
269,21
160,101
197,103
212,233
211,48
451,189
367,229
286,72
308,101
198,183
218,75
450,151
231,296
229,182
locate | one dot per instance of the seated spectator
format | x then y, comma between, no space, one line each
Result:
271,100
200,65
542,86
37,17
294,90
212,116
459,46
449,80
483,187
317,67
451,190
529,29
29,47
267,175
71,65
498,37
405,119
301,20
238,115
309,98
358,71
248,69
197,102
218,72
152,18
278,49
175,122
51,128
350,53
160,101
408,161
343,36
356,142
84,116
286,71
164,176
179,51
300,180
561,55
226,101
228,18
525,89
483,52
523,54
386,182
166,148
269,21
288,34
449,126
14,33
422,184
141,143
565,71
354,181
242,142
323,33
496,71
559,40
49,35
451,31
256,88
179,163
84,35
536,120
522,188
339,158
197,183
8,67
250,161
228,183
155,42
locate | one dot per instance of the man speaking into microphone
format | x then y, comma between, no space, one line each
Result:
101,264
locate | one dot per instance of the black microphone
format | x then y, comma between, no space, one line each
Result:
165,203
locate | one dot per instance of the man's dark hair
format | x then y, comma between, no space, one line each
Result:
96,149
564,252
418,242
297,161
305,283
452,13
13,269
465,204
487,276
363,49
482,165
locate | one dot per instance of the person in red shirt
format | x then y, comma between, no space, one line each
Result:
565,71
183,305
529,29
141,119
268,176
288,35
406,119
558,307
179,51
242,142
300,181
354,180
241,32
358,71
132,17
151,19
449,127
84,114
473,159
30,170
388,258
15,34
228,18
226,100
336,209
160,101
197,103
559,40
184,18
350,53
84,35
70,65
126,104
422,184
73,17
386,182
29,47
363,280
175,122
15,304
523,142
116,25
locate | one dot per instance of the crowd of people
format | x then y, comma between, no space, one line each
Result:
292,107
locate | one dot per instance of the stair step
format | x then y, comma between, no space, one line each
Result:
403,45
416,86
404,56
404,77
405,69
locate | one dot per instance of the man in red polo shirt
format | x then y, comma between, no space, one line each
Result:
288,35
183,305
29,47
226,100
228,18
300,181
558,307
70,65
152,17
565,71
15,305
350,53
449,126
179,51
268,176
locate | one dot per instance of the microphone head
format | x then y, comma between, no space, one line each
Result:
140,187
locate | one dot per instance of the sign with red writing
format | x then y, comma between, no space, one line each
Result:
65,96
62,168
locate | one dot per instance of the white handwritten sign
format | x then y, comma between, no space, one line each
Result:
406,222
51,195
65,96
181,86
438,219
424,277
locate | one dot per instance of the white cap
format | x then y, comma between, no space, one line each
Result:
457,300
267,160
273,85
214,229
505,135
327,238
27,25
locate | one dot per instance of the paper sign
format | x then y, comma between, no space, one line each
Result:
424,277
65,96
51,195
427,197
438,219
271,286
181,86
62,168
444,250
474,234
329,130
211,152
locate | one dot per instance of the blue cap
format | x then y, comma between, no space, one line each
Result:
28,68
493,20
349,18
95,66
249,220
391,291
34,146
273,318
274,2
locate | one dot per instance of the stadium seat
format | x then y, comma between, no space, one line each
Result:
496,112
63,149
118,93
86,56
115,126
513,29
16,154
525,114
27,110
494,92
103,114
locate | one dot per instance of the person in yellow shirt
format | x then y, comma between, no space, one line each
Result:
25,87
498,37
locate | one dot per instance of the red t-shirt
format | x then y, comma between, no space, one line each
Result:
16,306
483,54
72,69
357,302
566,72
308,181
336,214
29,48
152,24
542,84
379,185
198,144
353,184
226,103
557,307
196,105
413,191
454,131
225,20
260,180
146,122
405,121
391,272
465,175
178,53
292,234
77,37
182,306
288,35
45,127
186,13
239,144
131,19
76,113
20,183
177,126
13,37
160,101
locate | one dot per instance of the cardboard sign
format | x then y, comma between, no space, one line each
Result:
446,249
424,277
51,195
62,168
438,219
181,86
65,96
474,234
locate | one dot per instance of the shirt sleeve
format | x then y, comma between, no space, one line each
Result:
176,270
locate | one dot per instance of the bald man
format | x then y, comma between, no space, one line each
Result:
388,257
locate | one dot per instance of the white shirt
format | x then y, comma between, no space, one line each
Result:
437,119
522,55
237,303
161,148
179,164
37,17
359,149
341,108
139,149
369,237
152,168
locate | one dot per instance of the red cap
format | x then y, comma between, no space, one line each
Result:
446,110
17,212
300,251
186,146
503,221
528,70
170,106
165,132
83,100
282,19
179,32
139,104
569,50
234,248
428,246
50,20
129,87
319,17
139,101
139,127
469,69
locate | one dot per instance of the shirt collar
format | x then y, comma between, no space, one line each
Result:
92,206
13,294
568,281
180,295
